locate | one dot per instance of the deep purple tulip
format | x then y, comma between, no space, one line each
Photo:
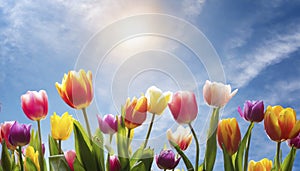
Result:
253,111
19,134
114,163
166,160
294,142
108,124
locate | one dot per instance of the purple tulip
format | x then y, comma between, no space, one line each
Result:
294,142
114,163
166,160
253,111
19,134
108,124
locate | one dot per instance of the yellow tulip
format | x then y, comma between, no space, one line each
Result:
281,123
76,89
157,100
262,165
33,156
61,127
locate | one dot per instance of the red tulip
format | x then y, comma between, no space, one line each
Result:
70,157
5,130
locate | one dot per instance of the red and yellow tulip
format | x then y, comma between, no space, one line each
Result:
136,111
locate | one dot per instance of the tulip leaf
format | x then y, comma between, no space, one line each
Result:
30,165
59,163
6,161
77,165
83,148
138,166
240,153
288,162
122,144
211,143
187,162
145,156
34,140
136,155
53,146
228,166
98,149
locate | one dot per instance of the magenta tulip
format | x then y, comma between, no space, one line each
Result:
19,134
70,158
166,160
253,111
35,104
294,142
108,124
184,107
114,163
5,130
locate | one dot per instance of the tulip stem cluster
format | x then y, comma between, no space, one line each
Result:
87,122
197,147
149,130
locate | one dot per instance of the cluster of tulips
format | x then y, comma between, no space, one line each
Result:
23,148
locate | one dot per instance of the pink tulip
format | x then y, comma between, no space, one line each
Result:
5,130
217,94
70,157
35,104
182,137
114,163
184,107
0,133
108,124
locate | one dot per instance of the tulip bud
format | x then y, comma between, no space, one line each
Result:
114,163
262,165
35,104
70,158
33,155
253,111
19,134
76,89
109,124
157,100
166,160
229,135
184,107
294,142
182,137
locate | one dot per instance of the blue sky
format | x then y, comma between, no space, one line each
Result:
257,42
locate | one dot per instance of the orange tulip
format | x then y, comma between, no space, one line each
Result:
136,111
76,89
229,135
262,165
281,123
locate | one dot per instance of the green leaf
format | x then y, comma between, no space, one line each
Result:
98,151
53,146
6,161
59,163
288,162
187,162
136,155
138,166
30,165
240,153
228,166
77,165
122,144
211,144
83,148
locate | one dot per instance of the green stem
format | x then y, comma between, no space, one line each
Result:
59,147
277,162
197,147
20,157
128,138
87,123
41,156
149,130
211,143
247,150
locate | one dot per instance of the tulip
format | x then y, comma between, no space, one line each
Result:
184,107
35,104
5,130
217,94
33,156
262,165
280,123
19,134
253,111
182,137
136,111
166,160
109,124
157,100
229,135
294,142
76,89
70,158
114,163
61,127
1,133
